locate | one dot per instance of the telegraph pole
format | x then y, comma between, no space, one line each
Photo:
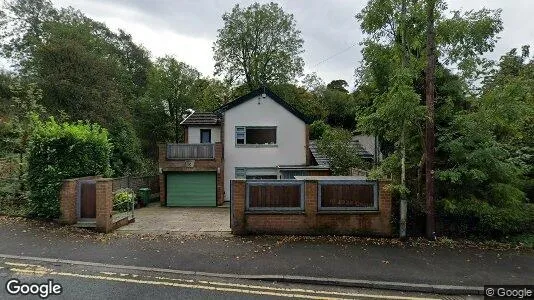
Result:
430,125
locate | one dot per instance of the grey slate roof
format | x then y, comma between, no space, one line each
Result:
202,118
357,142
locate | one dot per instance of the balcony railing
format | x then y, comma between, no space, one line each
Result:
190,151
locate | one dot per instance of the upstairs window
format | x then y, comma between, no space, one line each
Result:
255,135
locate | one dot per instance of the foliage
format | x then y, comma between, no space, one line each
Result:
337,145
172,88
474,217
58,151
123,200
317,129
259,44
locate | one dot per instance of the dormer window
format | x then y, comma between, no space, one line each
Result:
255,135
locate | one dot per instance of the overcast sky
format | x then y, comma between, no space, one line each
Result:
188,28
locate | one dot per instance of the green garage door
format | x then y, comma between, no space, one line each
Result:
191,189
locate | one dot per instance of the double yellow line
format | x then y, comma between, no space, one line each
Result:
208,285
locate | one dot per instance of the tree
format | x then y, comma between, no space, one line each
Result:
171,84
339,85
430,74
259,44
389,93
337,145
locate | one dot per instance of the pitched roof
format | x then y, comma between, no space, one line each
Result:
272,95
201,118
322,160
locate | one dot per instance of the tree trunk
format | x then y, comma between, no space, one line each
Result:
430,126
403,200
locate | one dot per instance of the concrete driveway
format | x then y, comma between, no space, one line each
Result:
181,220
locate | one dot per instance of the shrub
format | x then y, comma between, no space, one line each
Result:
58,151
475,217
336,144
123,200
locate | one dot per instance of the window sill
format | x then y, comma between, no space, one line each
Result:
347,212
275,212
256,145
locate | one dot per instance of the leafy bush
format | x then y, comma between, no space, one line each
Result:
123,200
58,151
317,129
337,145
475,217
126,157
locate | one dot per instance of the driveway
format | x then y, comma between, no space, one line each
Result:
181,220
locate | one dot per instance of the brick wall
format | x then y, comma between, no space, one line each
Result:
67,202
68,198
311,221
104,204
200,165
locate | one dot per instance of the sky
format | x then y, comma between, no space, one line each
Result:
187,29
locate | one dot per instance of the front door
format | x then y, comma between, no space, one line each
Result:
205,136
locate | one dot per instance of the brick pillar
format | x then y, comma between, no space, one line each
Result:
238,225
67,202
162,190
384,204
310,203
104,204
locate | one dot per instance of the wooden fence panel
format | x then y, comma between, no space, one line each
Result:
190,151
348,195
278,194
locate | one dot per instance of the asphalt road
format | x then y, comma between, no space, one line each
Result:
330,257
119,282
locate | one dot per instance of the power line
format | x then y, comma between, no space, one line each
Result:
335,54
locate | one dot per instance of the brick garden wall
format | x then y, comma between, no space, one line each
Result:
311,221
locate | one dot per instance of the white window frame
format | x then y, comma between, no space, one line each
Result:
243,129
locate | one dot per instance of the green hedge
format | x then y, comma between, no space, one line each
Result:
60,151
472,217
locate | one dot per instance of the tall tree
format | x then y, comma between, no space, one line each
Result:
259,44
430,127
172,84
389,95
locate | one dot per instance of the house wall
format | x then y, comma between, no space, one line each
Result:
201,165
193,134
290,138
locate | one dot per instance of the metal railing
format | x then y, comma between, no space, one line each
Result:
190,151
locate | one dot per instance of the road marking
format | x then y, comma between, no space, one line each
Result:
229,287
294,289
20,265
174,284
391,285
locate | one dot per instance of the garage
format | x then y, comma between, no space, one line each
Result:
191,189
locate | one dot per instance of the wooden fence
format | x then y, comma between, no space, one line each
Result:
348,195
275,194
190,151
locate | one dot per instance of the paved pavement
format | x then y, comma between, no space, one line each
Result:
120,282
332,257
157,219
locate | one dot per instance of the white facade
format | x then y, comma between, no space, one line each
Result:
193,134
290,148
